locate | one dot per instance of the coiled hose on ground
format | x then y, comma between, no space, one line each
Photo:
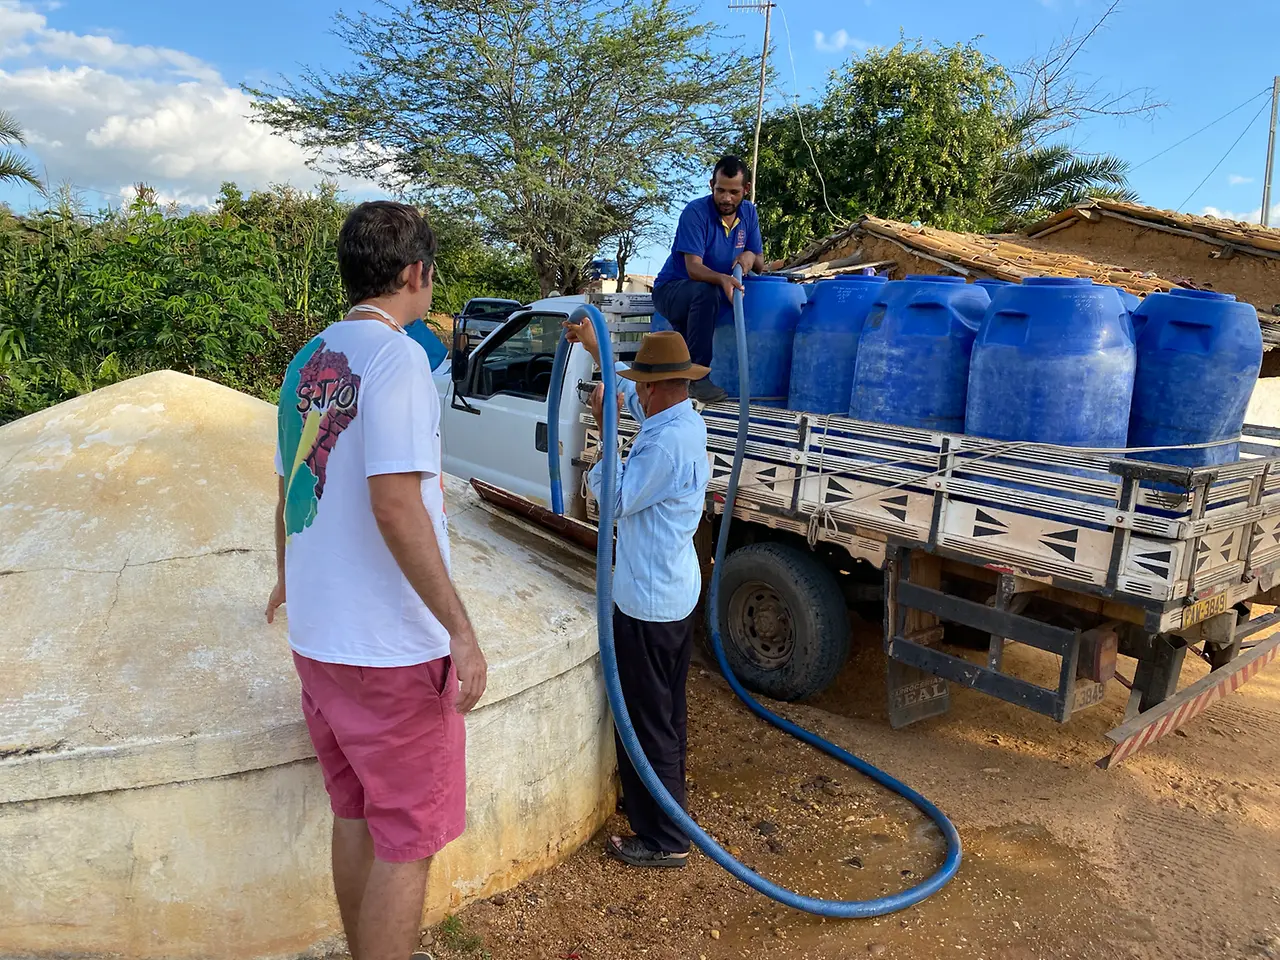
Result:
604,622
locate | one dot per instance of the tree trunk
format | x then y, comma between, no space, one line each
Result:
548,274
571,277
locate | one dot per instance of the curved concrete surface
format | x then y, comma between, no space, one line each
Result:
1264,403
158,793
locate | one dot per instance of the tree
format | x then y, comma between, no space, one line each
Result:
641,228
908,132
1036,178
1033,183
87,299
1053,96
945,135
14,168
542,120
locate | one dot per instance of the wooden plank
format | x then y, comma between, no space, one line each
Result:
873,265
1062,225
926,571
1244,244
1264,238
1110,609
924,256
834,267
583,534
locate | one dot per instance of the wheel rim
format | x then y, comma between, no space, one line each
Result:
760,625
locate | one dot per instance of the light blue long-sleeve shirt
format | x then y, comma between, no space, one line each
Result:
661,490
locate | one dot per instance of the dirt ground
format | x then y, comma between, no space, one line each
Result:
1174,854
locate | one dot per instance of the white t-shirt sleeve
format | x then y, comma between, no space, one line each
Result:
400,412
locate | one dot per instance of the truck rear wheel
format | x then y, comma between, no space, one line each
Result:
785,627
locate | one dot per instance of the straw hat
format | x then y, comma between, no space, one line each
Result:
663,356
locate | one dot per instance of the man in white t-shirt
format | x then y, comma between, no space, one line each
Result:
383,647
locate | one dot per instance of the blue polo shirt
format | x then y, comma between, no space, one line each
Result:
436,351
702,233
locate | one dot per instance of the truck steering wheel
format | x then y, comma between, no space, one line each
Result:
534,379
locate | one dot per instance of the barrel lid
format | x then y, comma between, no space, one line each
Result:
134,570
765,278
1201,294
1057,281
932,278
855,278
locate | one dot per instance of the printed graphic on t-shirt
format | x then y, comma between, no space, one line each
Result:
319,399
740,241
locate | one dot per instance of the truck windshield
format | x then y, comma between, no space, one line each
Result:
520,362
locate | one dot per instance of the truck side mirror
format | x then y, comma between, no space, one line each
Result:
458,370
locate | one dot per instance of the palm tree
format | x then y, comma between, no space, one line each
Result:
1033,179
14,168
1031,183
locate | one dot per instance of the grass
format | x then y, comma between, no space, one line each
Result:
454,935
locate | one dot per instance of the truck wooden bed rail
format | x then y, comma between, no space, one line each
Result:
1170,539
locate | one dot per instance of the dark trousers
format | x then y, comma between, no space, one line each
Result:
691,307
653,665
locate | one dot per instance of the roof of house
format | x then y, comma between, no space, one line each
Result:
1245,237
969,254
977,256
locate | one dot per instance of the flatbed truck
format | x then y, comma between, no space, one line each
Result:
964,546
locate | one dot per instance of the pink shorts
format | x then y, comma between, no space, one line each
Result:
393,751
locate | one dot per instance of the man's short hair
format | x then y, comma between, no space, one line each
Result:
377,241
731,167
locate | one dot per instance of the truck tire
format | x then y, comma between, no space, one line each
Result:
785,625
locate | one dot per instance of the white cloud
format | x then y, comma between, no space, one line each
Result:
1236,180
837,42
1253,216
104,114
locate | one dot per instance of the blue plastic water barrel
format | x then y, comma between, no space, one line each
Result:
913,357
991,285
826,342
1053,363
771,308
658,322
1198,360
1131,303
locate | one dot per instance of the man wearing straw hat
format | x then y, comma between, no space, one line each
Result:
661,488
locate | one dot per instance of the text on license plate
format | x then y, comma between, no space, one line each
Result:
1204,609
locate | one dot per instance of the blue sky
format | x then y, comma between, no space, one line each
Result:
116,91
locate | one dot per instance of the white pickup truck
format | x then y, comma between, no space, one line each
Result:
1087,558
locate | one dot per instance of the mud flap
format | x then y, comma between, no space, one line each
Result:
915,695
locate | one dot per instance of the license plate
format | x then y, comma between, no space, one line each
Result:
1087,694
1204,609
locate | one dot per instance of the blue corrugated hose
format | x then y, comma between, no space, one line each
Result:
608,656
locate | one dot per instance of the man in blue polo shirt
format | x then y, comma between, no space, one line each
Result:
696,282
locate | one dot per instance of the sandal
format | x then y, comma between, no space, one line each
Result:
635,853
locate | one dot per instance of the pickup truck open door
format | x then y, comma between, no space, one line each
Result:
497,401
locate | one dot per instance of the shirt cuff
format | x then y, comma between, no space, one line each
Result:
383,467
595,476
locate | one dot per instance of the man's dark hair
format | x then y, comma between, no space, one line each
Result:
377,241
731,167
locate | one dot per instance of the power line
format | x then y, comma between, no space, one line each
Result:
1224,157
795,100
1260,93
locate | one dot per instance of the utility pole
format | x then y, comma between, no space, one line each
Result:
1271,155
765,7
